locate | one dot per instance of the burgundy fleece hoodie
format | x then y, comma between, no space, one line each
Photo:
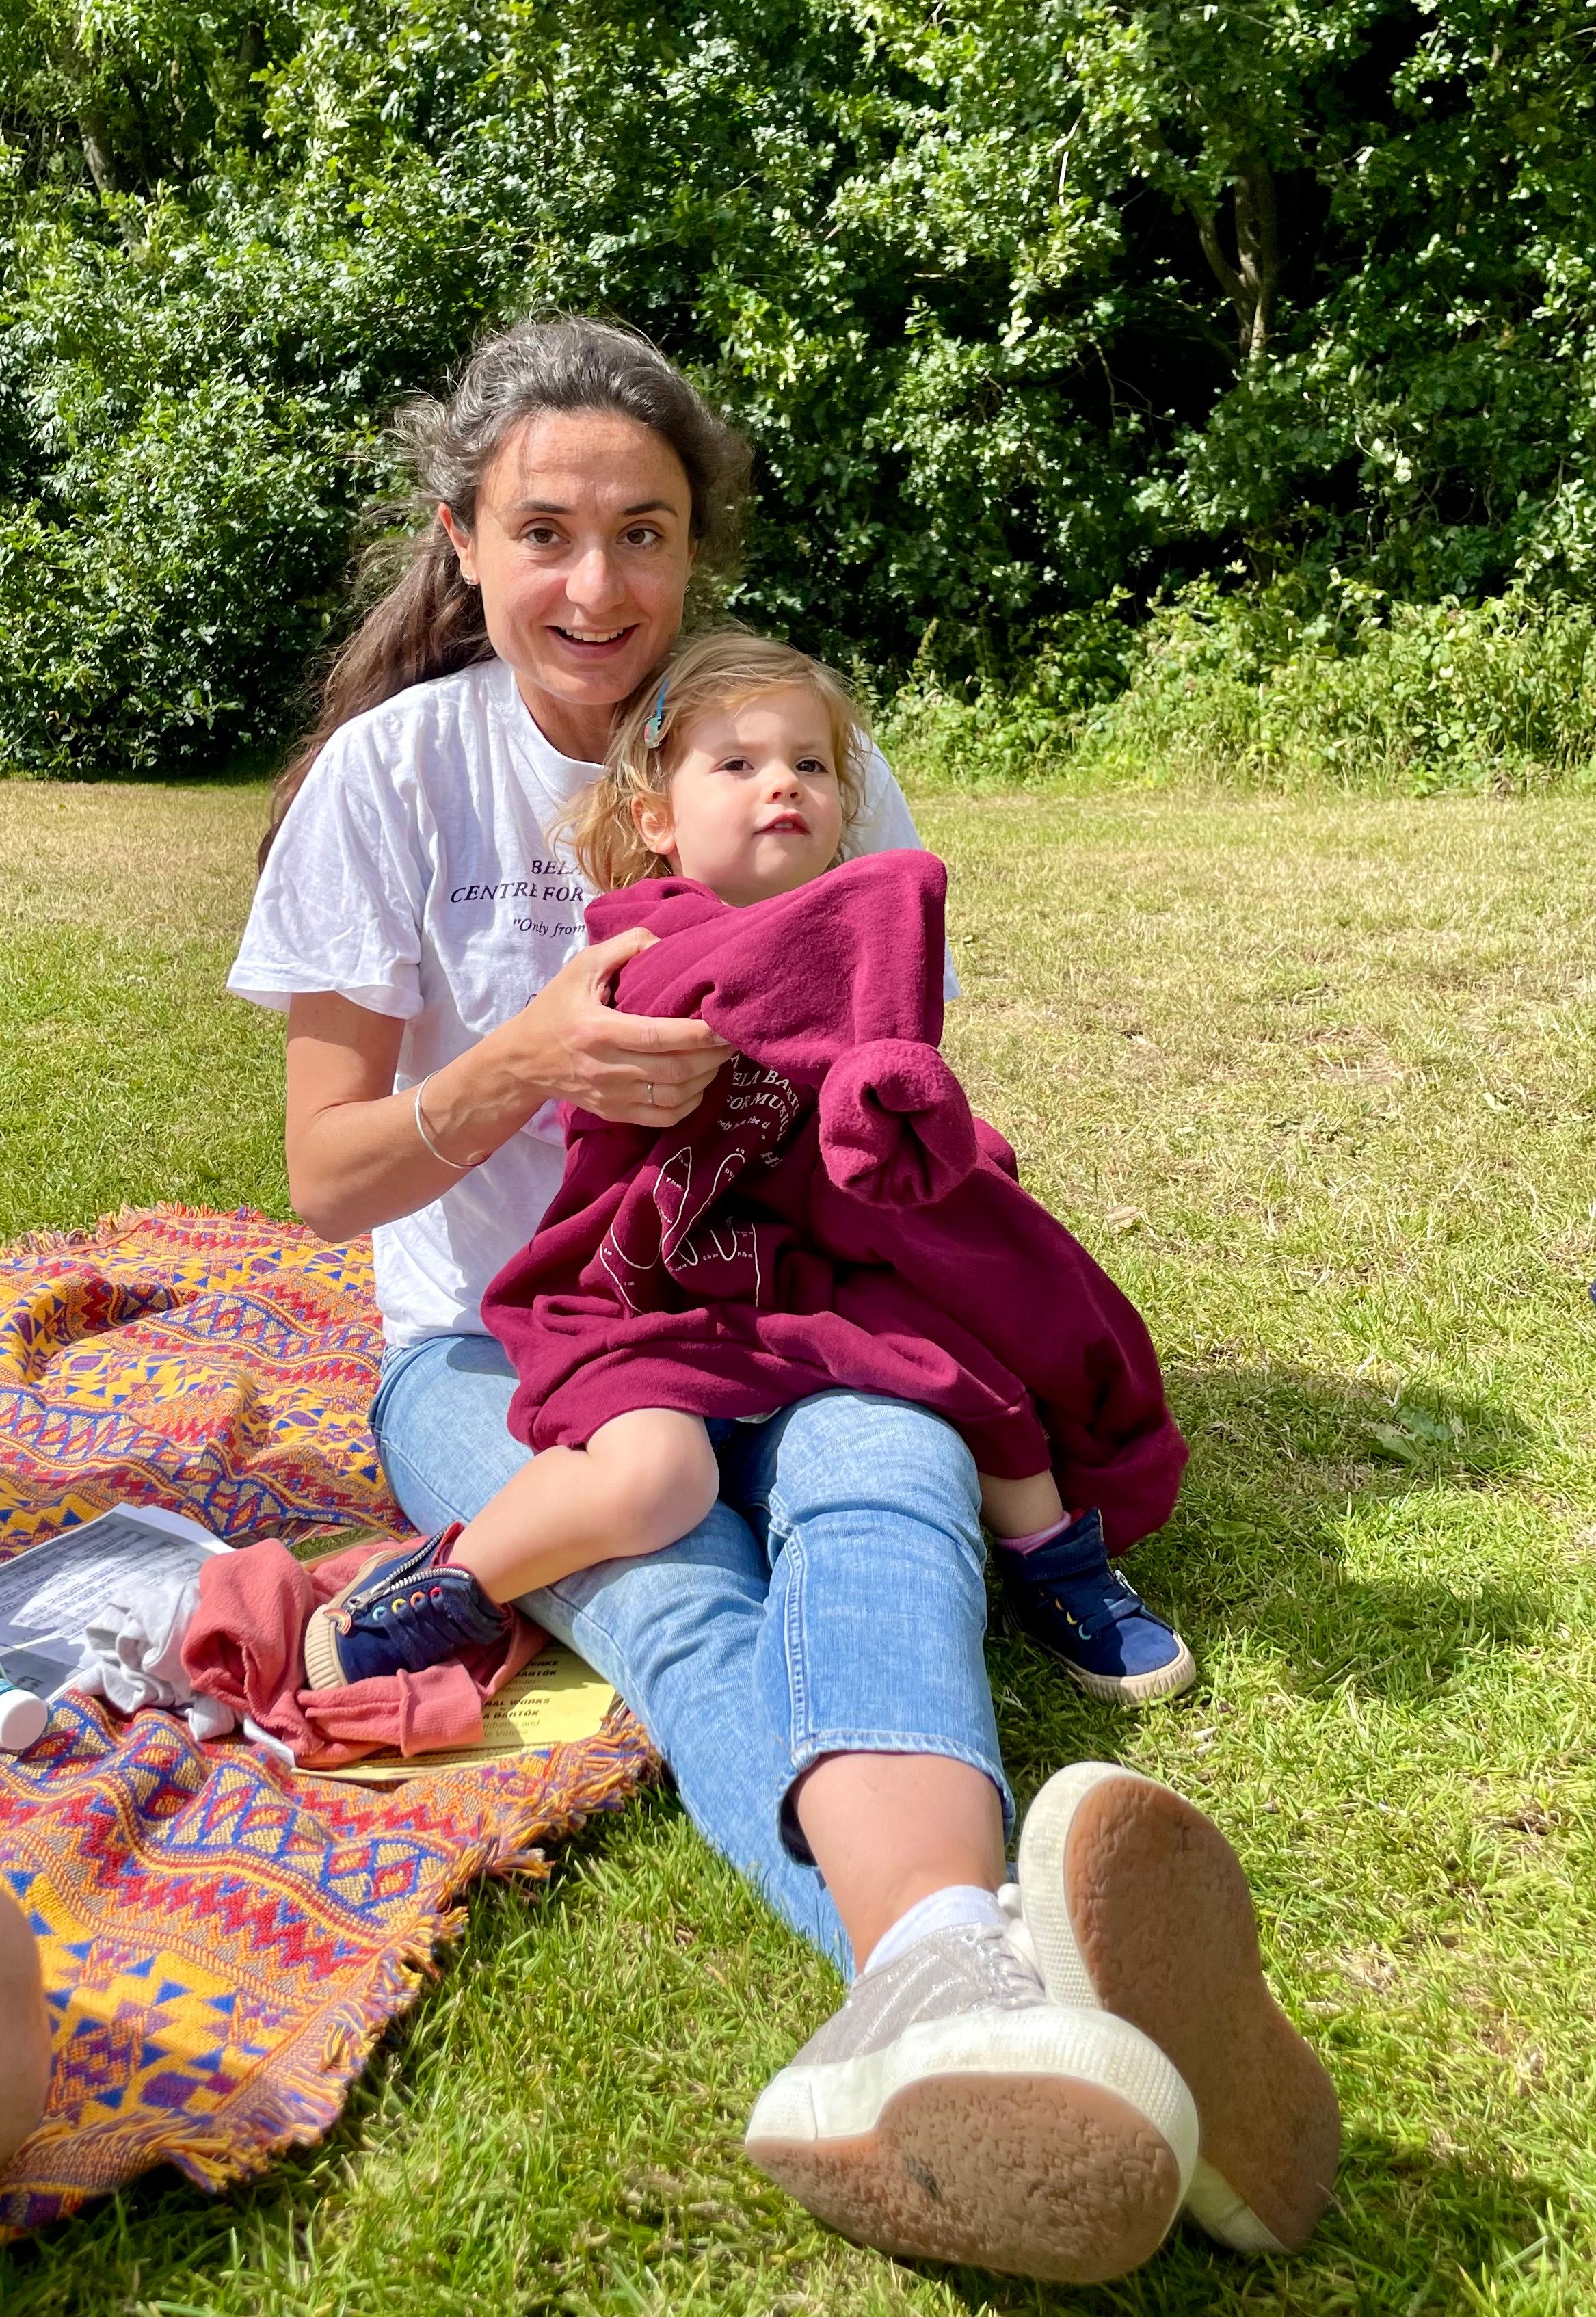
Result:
831,1215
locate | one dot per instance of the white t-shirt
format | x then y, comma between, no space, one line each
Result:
415,875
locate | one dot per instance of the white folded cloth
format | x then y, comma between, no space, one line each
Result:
132,1654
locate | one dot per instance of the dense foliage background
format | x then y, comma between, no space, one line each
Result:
1085,344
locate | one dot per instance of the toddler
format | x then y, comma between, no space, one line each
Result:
740,772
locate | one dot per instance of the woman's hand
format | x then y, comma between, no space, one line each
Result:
633,1068
355,1156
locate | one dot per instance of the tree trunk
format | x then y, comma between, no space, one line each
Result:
1249,284
95,153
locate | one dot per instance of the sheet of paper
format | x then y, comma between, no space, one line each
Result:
48,1593
557,1698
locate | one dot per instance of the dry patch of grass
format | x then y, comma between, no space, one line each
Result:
128,1074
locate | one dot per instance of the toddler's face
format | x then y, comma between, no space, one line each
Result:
754,807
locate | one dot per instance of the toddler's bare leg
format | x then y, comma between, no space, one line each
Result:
1021,1508
25,2031
643,1481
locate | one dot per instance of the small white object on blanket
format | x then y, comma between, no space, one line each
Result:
133,1655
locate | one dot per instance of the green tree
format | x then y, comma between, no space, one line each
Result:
1030,309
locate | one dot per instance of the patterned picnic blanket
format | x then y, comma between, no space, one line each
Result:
222,1939
220,1364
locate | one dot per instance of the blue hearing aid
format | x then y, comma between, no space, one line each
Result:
654,730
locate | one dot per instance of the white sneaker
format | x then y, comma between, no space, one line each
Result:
949,2112
1134,1900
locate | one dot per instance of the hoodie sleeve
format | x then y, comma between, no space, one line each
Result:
837,987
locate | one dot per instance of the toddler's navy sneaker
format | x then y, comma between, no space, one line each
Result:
1068,1596
405,1608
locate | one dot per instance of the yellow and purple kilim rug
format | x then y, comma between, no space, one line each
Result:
221,1365
222,1940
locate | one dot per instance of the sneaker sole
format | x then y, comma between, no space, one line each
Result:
1135,1900
1137,1688
1031,2142
322,1668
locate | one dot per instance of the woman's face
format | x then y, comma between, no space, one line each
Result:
583,548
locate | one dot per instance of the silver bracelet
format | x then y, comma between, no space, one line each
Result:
443,1156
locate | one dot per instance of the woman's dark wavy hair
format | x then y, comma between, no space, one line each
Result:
427,622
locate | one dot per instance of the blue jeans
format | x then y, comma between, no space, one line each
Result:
832,1602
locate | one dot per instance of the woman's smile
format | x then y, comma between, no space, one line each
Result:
593,643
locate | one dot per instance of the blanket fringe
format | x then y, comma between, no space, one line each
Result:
110,1228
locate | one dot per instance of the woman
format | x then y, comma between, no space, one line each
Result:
809,1660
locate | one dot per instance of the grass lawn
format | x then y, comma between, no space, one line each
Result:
1315,1078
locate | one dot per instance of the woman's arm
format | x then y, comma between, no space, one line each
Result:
354,1156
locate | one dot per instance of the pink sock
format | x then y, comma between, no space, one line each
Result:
1040,1536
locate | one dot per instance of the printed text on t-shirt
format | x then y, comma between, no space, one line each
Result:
545,882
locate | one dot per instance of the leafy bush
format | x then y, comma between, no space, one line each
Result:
1418,698
180,601
1038,314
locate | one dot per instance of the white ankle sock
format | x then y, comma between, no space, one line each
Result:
940,1911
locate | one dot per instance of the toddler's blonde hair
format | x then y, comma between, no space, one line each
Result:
721,669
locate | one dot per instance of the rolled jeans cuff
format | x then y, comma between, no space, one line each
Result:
790,1834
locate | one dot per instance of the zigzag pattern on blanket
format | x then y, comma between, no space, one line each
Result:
223,1940
219,1364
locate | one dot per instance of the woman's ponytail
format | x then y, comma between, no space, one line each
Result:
428,623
